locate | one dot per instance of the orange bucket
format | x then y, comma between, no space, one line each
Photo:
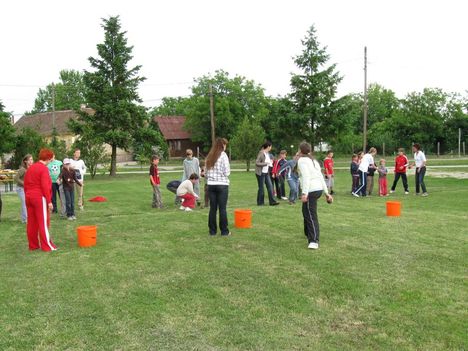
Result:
243,218
87,235
393,208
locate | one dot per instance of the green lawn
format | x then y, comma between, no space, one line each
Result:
157,281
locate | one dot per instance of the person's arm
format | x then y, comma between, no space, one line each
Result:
83,168
77,181
19,177
260,161
226,166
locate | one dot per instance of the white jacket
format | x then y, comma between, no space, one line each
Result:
310,176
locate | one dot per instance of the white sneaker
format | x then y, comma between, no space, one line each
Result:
354,194
284,198
425,194
74,218
406,192
70,218
188,209
181,208
392,191
313,246
81,208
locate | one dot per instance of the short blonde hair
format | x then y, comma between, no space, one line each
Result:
188,152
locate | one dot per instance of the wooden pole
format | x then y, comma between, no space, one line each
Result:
53,107
213,137
438,149
459,142
364,131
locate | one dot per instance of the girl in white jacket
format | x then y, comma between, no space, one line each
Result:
312,185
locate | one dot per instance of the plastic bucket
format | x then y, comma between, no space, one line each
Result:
87,235
243,218
393,208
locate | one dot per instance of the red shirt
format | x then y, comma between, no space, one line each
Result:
328,165
401,162
154,173
37,182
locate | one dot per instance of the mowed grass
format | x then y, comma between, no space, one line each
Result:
157,281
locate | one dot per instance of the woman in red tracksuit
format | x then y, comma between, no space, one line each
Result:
37,188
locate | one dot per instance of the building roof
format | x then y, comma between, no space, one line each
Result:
171,127
43,122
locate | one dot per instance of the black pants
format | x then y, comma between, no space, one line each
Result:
404,179
218,195
261,180
276,186
282,189
1,205
309,211
420,173
362,184
55,191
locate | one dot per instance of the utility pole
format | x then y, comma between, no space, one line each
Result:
364,132
53,107
213,137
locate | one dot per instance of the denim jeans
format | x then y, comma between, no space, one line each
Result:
218,195
420,179
70,200
309,212
293,189
24,213
55,190
261,180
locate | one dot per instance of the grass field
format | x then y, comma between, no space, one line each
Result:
157,281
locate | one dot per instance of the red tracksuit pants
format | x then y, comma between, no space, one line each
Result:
38,224
189,200
383,186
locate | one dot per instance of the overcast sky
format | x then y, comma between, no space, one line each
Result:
411,44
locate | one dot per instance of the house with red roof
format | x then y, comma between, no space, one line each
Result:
178,139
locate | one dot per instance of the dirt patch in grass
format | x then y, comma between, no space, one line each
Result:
458,175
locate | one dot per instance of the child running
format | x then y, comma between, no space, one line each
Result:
383,191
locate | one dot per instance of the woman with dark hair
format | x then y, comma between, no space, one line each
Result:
262,163
19,179
313,185
420,164
217,171
37,188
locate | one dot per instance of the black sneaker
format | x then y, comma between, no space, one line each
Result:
274,203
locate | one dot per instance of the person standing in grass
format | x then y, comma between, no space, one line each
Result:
19,179
366,162
280,175
329,172
80,168
383,191
262,164
420,164
155,182
217,171
313,186
54,171
289,169
68,178
186,192
37,186
354,169
191,166
401,164
370,179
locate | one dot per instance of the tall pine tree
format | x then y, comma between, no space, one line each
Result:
314,88
111,90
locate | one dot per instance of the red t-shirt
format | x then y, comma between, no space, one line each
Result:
401,162
328,165
37,182
154,173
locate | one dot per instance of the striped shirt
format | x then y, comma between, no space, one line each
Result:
219,174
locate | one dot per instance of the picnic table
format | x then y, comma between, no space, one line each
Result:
7,177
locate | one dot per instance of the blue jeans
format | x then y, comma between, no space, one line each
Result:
70,200
24,212
261,180
293,189
55,190
218,195
420,179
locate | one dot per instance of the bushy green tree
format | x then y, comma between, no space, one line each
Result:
7,131
247,140
28,141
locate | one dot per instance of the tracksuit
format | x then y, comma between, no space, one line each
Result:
401,163
37,188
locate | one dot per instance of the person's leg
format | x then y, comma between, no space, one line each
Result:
68,199
32,225
355,185
260,193
24,214
154,203
189,200
404,179
80,195
54,198
422,173
416,178
362,184
395,181
213,209
206,197
309,212
269,187
159,202
370,185
63,201
277,187
43,226
385,186
282,187
292,190
223,194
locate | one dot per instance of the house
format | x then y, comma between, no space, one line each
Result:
44,124
178,139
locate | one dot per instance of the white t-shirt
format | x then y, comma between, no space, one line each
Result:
80,166
185,187
366,161
268,161
419,158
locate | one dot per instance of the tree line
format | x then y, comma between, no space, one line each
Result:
244,113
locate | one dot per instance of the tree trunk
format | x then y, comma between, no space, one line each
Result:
113,169
248,165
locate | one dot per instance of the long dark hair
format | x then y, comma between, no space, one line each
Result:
25,159
215,152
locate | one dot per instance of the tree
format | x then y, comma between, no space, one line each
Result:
171,106
149,141
7,131
28,141
69,93
314,89
247,140
112,91
93,151
57,146
234,99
